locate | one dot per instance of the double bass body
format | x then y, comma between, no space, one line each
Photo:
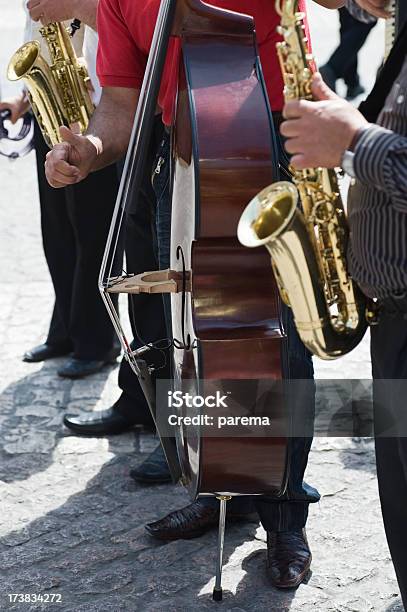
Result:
227,327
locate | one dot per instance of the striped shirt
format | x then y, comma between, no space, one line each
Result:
377,202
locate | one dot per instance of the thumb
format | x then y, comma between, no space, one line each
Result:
70,137
320,89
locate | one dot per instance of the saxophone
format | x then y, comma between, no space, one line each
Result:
58,92
308,247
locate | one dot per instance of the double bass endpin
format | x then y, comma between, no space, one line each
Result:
217,591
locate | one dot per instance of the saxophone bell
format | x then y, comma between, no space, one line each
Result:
58,91
28,64
268,214
273,220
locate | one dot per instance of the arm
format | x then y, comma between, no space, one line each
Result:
381,160
318,133
105,142
63,10
111,128
120,69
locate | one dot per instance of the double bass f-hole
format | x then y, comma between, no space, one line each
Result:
186,340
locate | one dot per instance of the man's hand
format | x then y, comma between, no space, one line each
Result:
318,133
52,10
375,7
70,161
18,106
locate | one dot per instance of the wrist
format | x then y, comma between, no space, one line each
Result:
348,155
356,136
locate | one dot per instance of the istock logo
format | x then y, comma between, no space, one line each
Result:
176,399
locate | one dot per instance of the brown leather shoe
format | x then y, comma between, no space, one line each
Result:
288,558
191,522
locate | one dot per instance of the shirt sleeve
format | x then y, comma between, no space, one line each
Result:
381,160
120,63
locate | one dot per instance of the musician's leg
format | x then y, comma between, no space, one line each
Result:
59,249
389,364
90,206
155,468
57,332
145,311
353,37
391,459
343,62
284,519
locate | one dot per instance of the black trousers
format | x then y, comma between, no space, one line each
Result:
75,222
389,364
344,60
146,312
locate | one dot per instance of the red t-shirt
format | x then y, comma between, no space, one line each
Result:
126,30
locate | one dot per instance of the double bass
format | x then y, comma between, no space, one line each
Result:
225,308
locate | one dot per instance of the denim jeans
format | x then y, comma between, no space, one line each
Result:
289,511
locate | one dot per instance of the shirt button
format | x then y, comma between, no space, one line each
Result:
400,99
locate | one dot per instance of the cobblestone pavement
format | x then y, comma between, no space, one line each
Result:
71,519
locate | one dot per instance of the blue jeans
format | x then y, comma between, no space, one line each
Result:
289,511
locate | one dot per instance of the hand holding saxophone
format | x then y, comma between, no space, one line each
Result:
318,132
71,161
48,11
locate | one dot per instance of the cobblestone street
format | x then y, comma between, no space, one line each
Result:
71,519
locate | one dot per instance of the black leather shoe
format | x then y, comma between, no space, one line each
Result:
103,422
288,558
191,522
154,469
79,368
42,352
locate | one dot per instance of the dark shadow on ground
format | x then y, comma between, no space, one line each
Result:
31,412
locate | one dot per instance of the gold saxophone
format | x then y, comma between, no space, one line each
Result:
58,92
308,248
